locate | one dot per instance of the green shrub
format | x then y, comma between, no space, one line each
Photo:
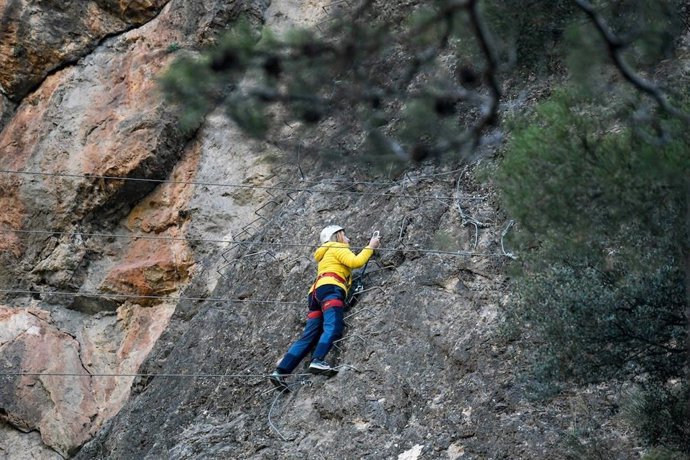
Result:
662,453
535,31
602,213
532,29
660,413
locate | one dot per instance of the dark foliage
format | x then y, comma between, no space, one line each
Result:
602,288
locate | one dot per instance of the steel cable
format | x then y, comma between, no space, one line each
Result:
220,184
249,243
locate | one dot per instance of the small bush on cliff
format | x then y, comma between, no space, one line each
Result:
541,33
532,30
603,212
661,413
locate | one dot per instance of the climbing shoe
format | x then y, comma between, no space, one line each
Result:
318,366
278,381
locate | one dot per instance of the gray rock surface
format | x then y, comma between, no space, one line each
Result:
6,110
425,373
14,444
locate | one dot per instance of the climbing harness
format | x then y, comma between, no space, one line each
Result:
330,275
331,303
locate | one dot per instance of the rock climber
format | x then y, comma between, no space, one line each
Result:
326,302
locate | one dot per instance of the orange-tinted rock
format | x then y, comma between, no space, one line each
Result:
12,216
30,342
26,129
36,38
167,205
68,409
158,264
104,116
120,348
150,267
98,111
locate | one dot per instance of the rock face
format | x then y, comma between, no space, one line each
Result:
52,351
425,372
55,397
101,115
157,266
37,38
412,369
139,317
29,444
6,110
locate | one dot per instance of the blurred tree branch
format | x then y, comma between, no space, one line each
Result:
615,47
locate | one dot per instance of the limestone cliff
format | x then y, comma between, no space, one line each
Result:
83,78
142,330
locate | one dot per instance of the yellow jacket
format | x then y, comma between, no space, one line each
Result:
336,257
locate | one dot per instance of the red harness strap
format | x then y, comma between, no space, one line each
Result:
331,275
332,303
314,314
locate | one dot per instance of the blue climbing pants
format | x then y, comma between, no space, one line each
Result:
324,326
333,326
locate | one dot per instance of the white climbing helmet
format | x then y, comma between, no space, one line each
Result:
328,232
